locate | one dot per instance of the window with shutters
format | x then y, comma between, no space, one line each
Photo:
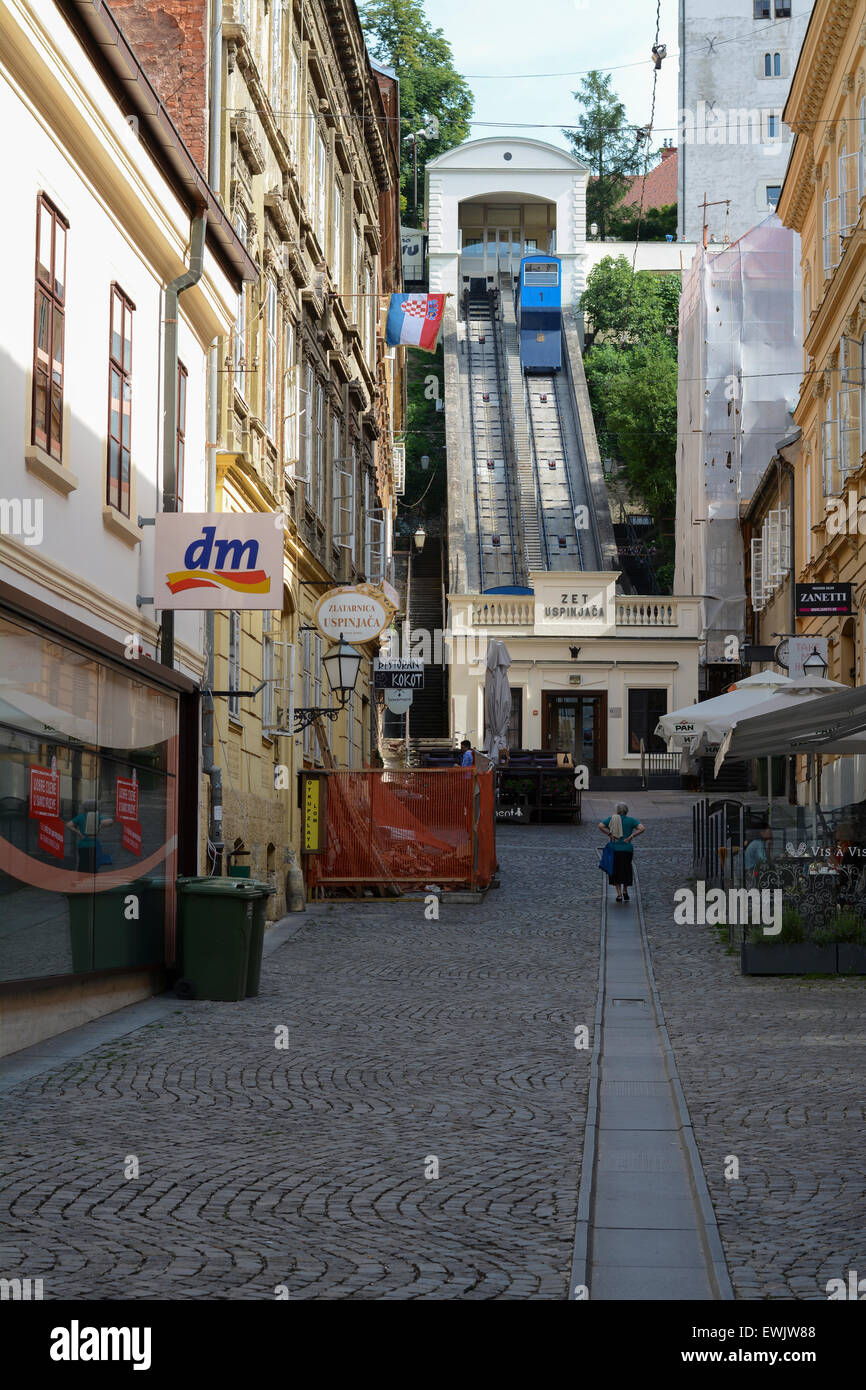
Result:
182,378
322,192
757,585
337,257
119,401
239,347
399,456
49,335
830,451
276,57
319,493
267,670
290,396
234,683
271,361
306,416
311,159
293,123
849,208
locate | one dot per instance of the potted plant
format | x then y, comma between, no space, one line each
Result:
851,944
792,952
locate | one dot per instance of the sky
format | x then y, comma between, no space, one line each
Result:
505,37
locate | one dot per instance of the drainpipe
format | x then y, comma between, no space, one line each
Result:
211,770
169,418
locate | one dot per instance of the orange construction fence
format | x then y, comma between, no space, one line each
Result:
405,828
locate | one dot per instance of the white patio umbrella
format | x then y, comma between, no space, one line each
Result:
497,699
799,720
706,723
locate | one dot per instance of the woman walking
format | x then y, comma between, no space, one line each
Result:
622,829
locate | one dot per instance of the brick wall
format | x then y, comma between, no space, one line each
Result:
170,40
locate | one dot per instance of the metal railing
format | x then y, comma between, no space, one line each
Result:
719,841
656,764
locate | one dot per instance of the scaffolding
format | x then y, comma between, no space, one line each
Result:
740,364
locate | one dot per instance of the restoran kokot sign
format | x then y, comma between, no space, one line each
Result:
360,613
219,560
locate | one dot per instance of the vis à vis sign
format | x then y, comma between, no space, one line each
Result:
219,560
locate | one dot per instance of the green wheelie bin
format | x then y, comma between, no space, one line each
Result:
216,924
262,892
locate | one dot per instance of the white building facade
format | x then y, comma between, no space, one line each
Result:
97,738
490,202
736,61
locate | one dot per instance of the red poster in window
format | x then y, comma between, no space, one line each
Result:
130,837
51,833
44,792
127,799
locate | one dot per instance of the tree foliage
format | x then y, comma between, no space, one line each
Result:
604,140
657,224
424,499
631,371
398,33
618,309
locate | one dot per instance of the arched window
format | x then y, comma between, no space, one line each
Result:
768,65
777,65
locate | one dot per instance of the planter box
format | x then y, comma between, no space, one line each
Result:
852,960
796,959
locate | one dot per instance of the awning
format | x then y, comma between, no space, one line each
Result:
833,723
708,721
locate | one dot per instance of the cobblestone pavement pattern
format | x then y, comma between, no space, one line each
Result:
408,1039
773,1072
452,1039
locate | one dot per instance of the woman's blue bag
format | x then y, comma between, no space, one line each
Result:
605,863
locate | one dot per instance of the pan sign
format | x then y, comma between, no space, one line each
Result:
219,560
815,600
398,674
359,614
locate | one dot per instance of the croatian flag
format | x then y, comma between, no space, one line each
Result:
415,319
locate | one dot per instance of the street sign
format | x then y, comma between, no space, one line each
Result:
398,701
815,600
398,673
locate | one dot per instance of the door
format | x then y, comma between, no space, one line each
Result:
505,243
576,724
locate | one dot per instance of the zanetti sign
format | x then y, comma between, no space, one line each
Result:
219,560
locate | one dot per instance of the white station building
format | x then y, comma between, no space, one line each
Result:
592,663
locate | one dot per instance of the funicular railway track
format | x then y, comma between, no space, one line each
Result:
563,546
497,546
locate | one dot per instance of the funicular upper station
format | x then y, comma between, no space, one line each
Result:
532,552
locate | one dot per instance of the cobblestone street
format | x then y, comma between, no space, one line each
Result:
414,1043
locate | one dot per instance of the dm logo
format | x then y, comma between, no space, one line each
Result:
220,564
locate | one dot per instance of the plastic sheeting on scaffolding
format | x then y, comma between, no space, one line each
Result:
740,364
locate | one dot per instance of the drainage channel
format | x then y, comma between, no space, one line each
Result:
646,1228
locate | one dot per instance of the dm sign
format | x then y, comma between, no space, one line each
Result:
359,614
813,600
219,560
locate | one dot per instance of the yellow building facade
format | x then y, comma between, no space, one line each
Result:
824,199
310,398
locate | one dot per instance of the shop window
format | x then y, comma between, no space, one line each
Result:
182,378
88,810
120,401
50,319
645,709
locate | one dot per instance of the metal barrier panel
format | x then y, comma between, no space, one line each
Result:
407,827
